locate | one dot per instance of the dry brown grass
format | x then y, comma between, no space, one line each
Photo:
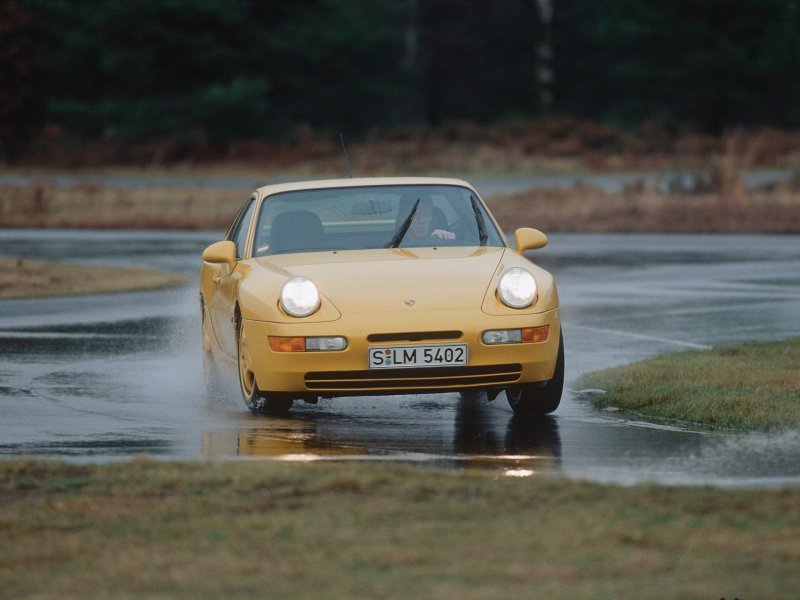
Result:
99,207
592,210
720,203
579,208
35,278
559,142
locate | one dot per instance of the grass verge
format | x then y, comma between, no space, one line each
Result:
590,209
746,386
353,530
92,206
36,278
578,208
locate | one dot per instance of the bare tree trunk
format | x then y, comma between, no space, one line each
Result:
544,55
411,63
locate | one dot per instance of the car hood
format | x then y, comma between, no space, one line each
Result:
383,280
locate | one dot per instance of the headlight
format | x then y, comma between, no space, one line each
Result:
300,297
517,288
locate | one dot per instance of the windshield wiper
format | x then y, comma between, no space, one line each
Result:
401,232
484,237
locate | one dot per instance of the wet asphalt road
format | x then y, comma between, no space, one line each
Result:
102,378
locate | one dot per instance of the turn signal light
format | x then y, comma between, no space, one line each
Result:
287,344
307,344
526,335
536,335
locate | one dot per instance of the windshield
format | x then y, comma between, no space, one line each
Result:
393,216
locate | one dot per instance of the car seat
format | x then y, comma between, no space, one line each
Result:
296,231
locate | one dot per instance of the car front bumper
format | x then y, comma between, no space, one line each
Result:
347,373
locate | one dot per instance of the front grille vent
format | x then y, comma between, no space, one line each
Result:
438,378
413,336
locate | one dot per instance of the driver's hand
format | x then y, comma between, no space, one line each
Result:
443,235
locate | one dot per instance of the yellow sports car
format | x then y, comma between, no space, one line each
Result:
358,287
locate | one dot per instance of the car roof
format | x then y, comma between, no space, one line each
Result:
322,184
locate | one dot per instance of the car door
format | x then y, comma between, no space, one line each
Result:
226,278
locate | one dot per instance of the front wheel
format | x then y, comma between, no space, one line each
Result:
255,399
539,399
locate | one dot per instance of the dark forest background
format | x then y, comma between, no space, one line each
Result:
224,70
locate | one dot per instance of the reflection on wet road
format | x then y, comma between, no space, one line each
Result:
471,441
106,377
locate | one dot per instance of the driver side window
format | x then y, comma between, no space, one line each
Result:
238,233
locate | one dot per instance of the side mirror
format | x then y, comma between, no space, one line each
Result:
221,253
527,238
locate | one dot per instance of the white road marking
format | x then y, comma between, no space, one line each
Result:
642,337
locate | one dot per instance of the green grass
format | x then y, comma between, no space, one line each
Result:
746,386
293,530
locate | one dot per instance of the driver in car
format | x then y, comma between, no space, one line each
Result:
422,226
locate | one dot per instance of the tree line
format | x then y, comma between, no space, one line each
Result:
224,70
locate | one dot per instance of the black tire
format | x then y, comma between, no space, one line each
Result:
536,398
254,398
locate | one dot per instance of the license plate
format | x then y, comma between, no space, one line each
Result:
394,357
